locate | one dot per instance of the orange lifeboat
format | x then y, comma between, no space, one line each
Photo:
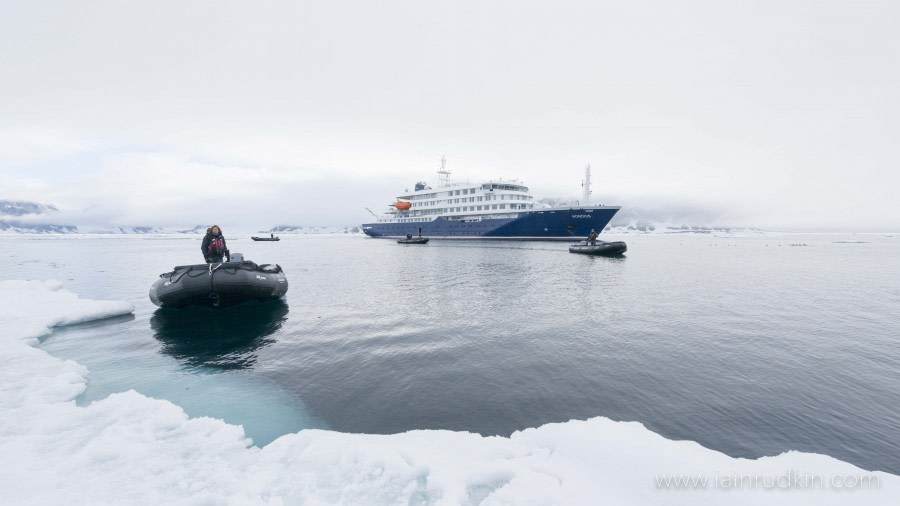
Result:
402,206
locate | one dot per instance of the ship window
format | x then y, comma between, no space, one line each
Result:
456,192
502,206
494,206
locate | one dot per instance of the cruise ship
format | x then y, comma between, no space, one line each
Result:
495,209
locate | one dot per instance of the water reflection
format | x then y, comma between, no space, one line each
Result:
218,338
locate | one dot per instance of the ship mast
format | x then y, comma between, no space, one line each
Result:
586,185
443,174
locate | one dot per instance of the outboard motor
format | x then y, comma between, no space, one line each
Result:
236,257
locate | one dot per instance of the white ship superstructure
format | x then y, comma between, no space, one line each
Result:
499,209
491,199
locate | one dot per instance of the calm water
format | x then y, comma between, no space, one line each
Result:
747,345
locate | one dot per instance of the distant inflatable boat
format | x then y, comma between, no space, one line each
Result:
414,240
601,248
219,285
265,238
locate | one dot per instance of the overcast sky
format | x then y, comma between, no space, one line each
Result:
778,114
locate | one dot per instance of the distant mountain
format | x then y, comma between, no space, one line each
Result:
649,227
21,208
662,218
36,228
28,218
199,229
669,220
296,229
123,230
36,218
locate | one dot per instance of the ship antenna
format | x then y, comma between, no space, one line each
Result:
586,185
443,174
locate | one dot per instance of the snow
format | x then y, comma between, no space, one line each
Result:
132,449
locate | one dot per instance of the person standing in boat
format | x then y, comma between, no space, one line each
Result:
213,246
592,237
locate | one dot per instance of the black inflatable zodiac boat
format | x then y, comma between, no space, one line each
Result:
601,248
219,285
414,240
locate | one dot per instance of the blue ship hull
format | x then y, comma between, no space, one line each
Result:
550,224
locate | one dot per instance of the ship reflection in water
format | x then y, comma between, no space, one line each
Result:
223,339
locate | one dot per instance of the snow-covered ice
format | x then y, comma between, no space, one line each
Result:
132,449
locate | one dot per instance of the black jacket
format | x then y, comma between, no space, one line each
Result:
207,243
